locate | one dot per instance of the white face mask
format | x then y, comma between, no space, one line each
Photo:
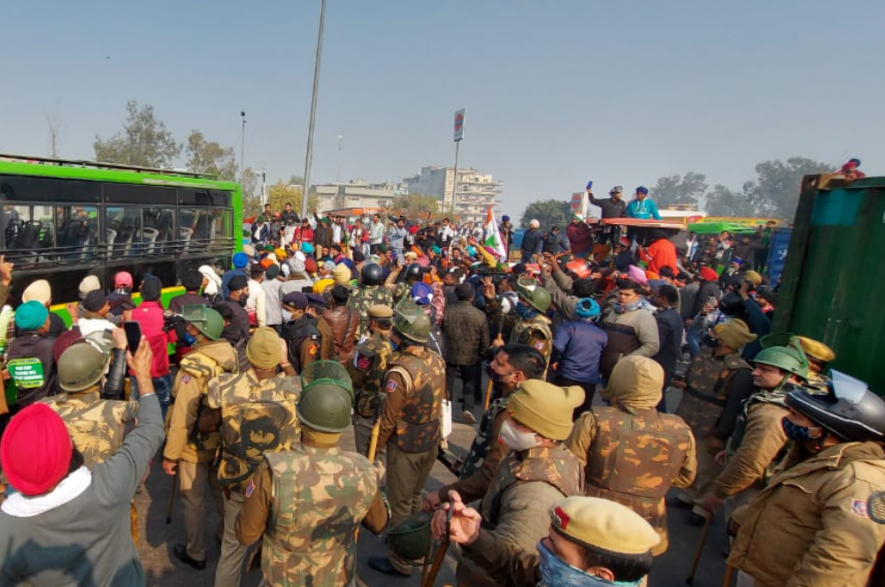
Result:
515,439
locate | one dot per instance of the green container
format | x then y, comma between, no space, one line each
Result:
834,281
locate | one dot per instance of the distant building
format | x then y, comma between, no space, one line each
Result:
357,193
476,191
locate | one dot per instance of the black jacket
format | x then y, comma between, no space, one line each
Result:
611,208
670,333
531,240
31,345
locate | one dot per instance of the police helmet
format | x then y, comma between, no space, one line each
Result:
790,357
411,322
533,294
81,366
848,409
205,319
411,539
372,274
414,271
326,407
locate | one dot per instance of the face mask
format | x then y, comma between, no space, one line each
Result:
515,439
557,573
710,341
796,432
188,339
492,375
242,301
525,312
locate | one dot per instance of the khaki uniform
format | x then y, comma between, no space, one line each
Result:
709,385
257,417
410,428
810,526
368,295
96,426
373,356
635,459
535,333
518,503
307,504
194,451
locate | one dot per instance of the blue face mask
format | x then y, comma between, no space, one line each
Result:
796,432
525,312
557,573
188,339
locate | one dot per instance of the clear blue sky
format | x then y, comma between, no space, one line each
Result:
556,92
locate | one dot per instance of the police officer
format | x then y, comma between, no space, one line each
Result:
301,334
758,441
532,326
369,293
256,413
307,502
650,451
818,355
188,449
412,274
718,381
810,525
316,306
410,422
373,356
96,425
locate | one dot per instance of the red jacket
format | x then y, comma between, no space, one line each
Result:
580,237
150,316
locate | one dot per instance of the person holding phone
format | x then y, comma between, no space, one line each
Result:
148,321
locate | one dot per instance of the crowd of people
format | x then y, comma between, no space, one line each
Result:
321,325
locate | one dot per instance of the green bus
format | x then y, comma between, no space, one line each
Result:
61,220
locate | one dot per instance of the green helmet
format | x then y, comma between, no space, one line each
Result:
790,357
205,319
410,321
80,367
533,294
326,407
331,372
411,539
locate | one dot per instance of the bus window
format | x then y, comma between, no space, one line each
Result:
28,233
77,228
221,227
158,231
122,230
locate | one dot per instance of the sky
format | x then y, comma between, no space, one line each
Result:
557,93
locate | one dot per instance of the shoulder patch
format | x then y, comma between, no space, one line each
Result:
539,346
859,508
391,385
186,379
250,488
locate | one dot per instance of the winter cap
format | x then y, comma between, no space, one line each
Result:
192,280
601,524
545,408
734,333
237,282
272,272
89,283
263,349
36,450
38,291
241,260
151,288
123,279
636,383
31,315
341,274
95,300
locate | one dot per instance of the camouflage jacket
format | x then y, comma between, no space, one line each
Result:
184,439
706,390
319,498
96,426
635,459
257,417
365,296
415,386
535,333
367,373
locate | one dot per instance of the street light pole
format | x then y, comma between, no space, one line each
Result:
242,145
313,111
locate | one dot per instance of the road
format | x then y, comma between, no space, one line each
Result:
157,538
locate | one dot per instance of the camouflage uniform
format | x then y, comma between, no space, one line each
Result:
367,374
415,386
634,459
195,451
310,501
96,426
257,417
365,296
517,505
535,333
711,383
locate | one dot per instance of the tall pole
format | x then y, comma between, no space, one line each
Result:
313,111
242,145
455,181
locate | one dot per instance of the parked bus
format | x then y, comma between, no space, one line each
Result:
62,220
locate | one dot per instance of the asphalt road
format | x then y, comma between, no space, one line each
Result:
157,538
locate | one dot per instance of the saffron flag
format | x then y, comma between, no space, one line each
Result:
493,237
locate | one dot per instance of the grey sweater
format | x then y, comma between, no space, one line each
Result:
86,541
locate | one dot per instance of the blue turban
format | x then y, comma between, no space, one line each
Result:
31,315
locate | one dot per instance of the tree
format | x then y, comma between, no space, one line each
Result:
722,201
280,193
775,192
672,190
209,157
54,124
144,141
250,184
416,206
548,212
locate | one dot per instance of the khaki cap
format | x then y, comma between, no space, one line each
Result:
380,311
545,408
602,524
734,333
264,350
816,349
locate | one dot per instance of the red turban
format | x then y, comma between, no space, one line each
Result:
708,274
36,450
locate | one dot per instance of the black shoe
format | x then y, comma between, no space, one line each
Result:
180,552
382,565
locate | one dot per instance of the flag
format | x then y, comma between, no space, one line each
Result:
493,237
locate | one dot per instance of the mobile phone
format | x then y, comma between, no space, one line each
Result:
133,335
711,301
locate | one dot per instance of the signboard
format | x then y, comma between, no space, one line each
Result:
777,254
459,125
578,204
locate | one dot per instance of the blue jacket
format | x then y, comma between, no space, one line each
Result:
643,209
577,347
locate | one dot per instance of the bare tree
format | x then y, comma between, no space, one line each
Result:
55,125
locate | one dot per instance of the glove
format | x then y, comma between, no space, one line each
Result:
589,184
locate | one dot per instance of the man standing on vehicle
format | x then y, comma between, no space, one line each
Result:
187,448
532,240
611,208
376,234
642,207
